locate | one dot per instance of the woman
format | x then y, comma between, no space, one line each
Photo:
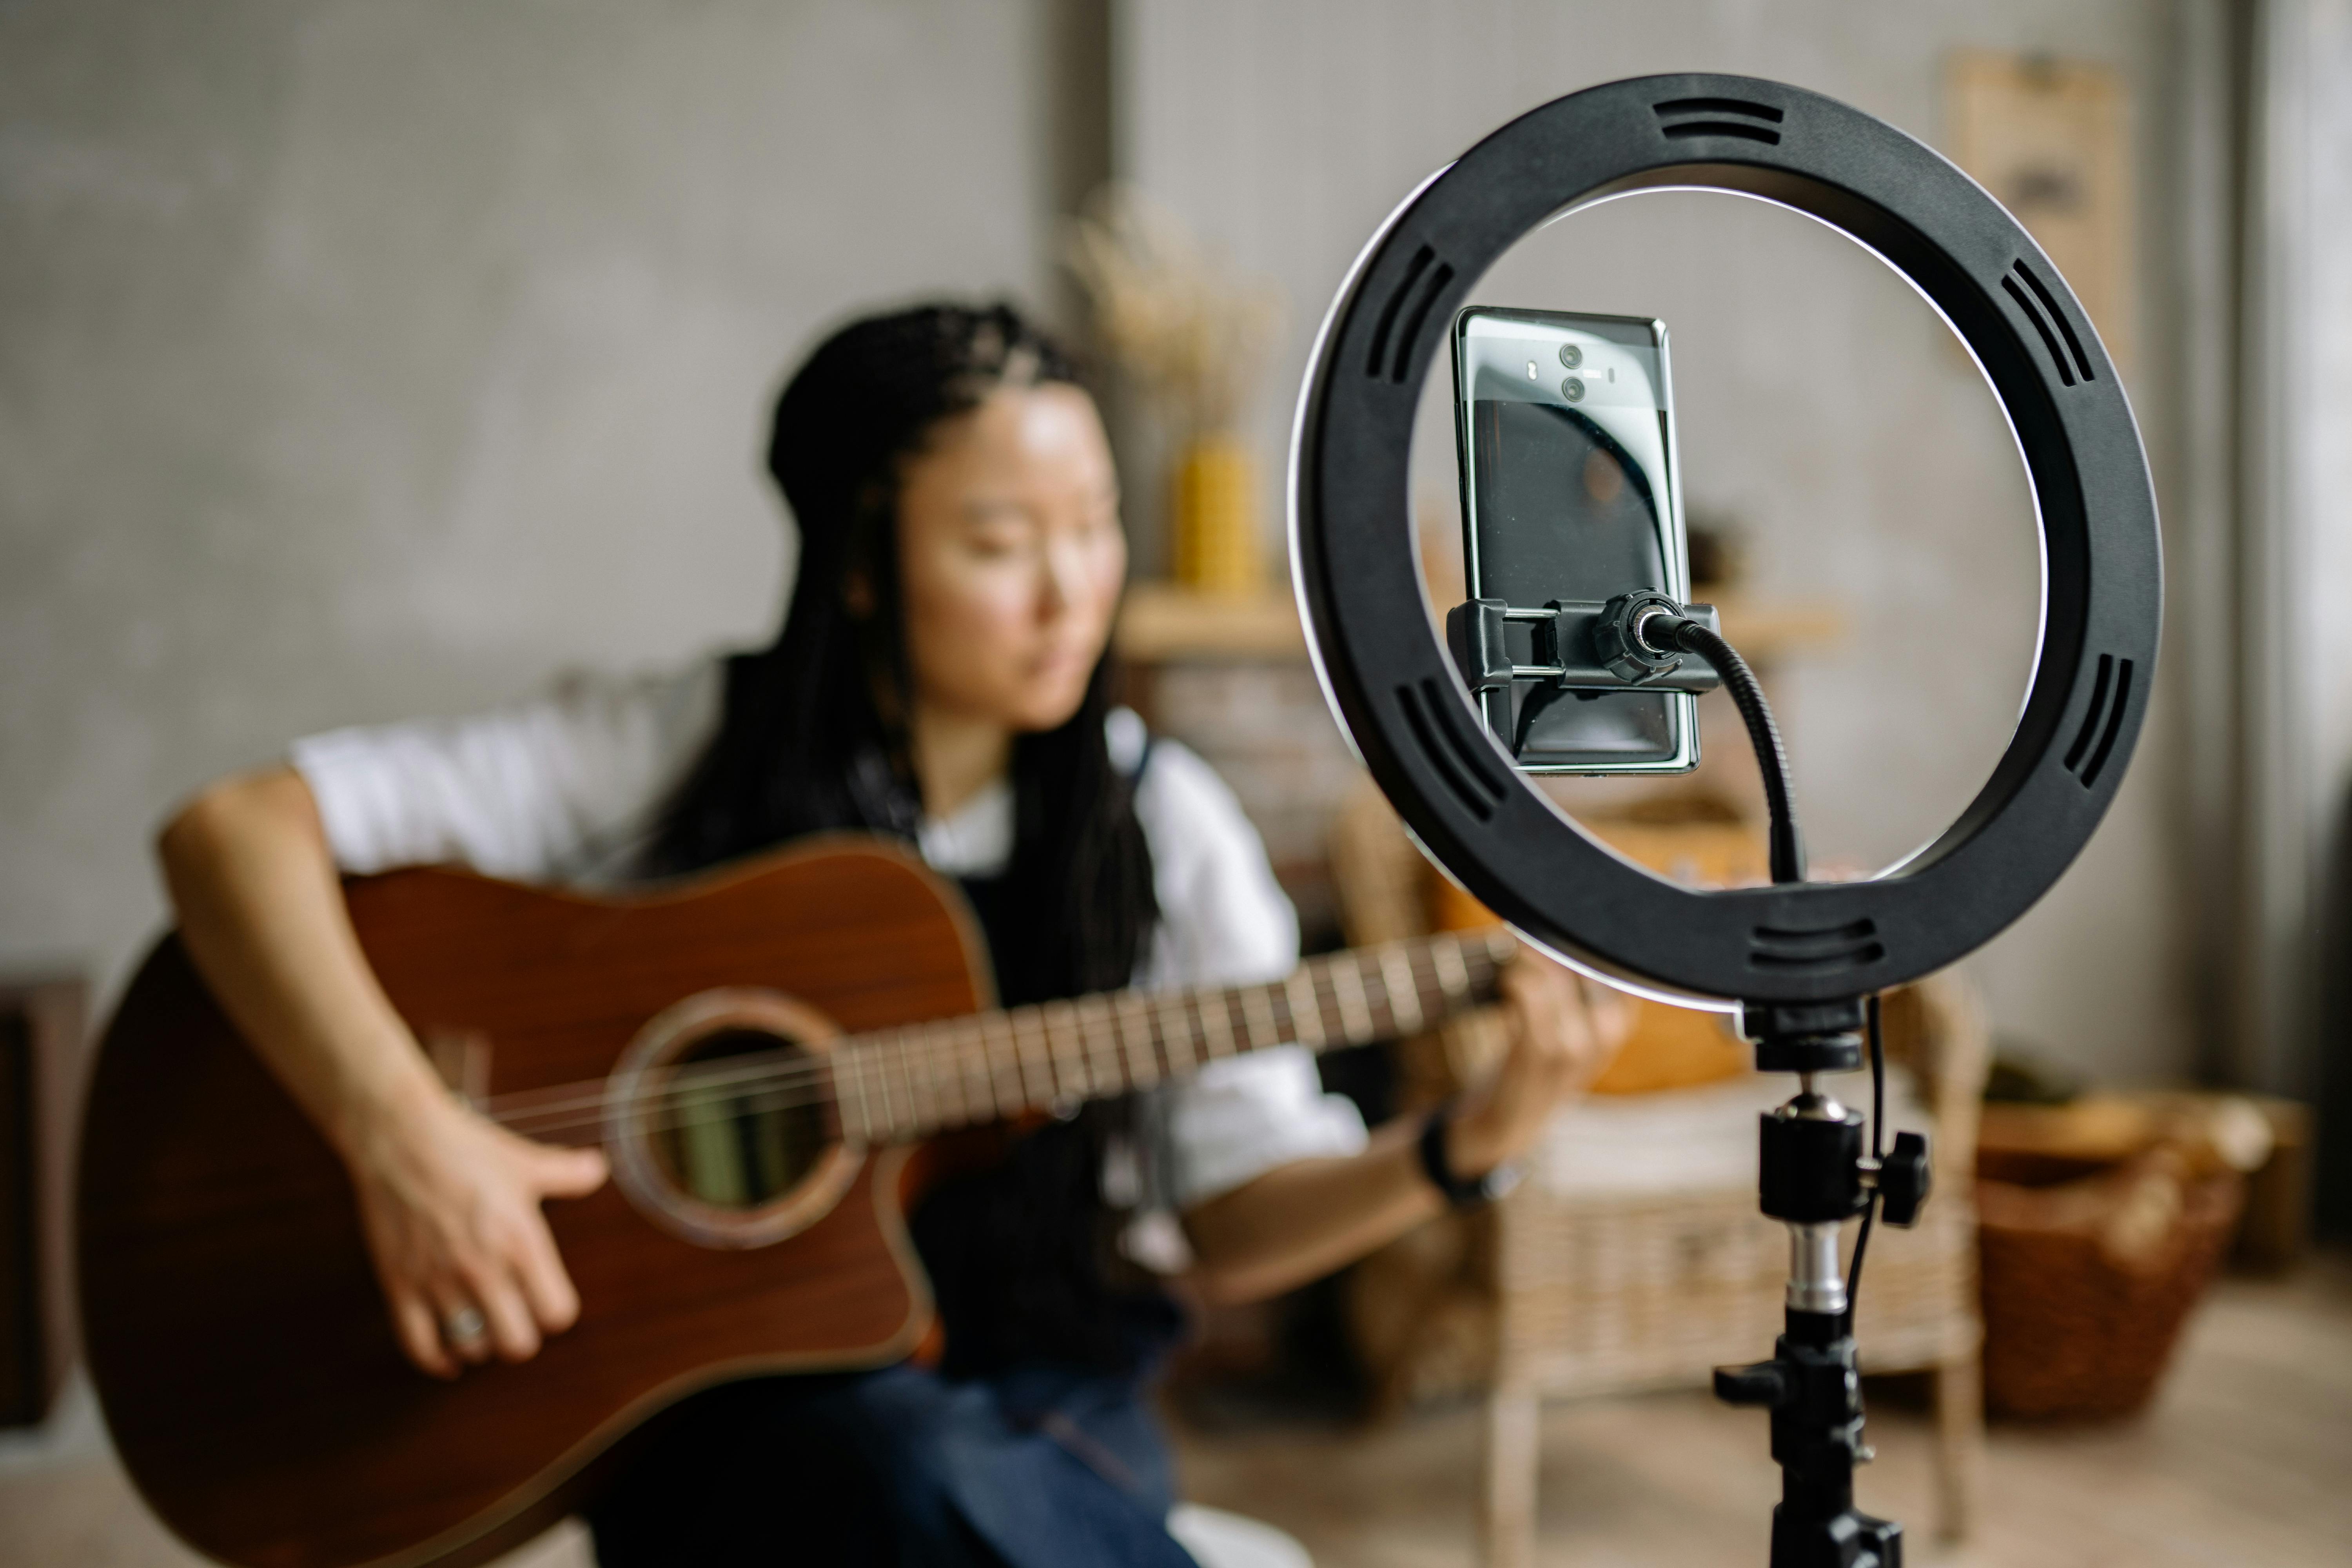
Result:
941,676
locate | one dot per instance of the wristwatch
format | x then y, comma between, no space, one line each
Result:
1460,1193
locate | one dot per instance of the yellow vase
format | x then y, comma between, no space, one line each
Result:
1213,544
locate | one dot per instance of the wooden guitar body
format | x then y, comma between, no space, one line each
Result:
236,1332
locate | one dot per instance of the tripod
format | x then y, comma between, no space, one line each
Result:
1814,1177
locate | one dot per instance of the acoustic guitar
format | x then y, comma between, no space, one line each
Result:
768,1056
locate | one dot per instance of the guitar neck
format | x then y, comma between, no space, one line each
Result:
907,1082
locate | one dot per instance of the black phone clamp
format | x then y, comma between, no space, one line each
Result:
1577,645
1814,1177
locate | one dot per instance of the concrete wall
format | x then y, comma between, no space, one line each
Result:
359,359
1824,406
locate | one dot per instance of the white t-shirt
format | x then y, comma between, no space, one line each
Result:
568,788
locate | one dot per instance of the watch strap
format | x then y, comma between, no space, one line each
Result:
1460,1193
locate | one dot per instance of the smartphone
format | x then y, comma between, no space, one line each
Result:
1564,429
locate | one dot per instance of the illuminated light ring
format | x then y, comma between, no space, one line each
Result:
1404,706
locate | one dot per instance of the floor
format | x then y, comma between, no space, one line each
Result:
2245,1462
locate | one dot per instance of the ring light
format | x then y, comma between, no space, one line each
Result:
1406,709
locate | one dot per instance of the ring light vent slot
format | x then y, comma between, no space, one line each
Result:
1471,779
1684,117
2050,341
1431,283
2105,703
1821,949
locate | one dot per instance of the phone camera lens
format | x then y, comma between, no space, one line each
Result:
1573,389
1570,356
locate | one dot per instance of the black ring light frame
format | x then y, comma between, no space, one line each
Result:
1406,709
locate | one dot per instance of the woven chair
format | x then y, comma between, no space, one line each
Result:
1570,1289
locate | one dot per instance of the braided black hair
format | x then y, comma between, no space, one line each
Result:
814,733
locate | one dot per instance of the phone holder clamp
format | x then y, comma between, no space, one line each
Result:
1578,645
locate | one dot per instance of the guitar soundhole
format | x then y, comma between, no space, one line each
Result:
743,1124
720,1120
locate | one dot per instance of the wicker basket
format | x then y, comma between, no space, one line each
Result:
2087,1283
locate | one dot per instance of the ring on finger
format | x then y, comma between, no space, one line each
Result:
464,1325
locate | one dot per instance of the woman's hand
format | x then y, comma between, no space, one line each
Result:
450,1202
1305,1218
1564,1029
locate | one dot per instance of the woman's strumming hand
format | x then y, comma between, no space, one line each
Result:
1563,1031
451,1205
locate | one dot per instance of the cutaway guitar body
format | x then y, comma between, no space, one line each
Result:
771,1056
235,1329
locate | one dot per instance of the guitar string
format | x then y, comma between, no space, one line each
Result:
928,1047
805,1079
802,1083
931,1048
934,1047
939,1042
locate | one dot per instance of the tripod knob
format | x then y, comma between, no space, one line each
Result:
1766,1383
1904,1179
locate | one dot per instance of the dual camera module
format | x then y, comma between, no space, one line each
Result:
1571,357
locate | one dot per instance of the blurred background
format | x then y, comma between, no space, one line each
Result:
362,361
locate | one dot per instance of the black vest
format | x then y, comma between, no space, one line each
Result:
1024,1255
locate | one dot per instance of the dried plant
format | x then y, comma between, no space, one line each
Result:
1189,332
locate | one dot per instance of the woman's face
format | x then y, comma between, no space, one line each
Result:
1010,557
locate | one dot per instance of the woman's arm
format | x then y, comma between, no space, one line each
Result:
450,1201
1300,1221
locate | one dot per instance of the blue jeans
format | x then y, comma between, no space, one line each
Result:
1038,1466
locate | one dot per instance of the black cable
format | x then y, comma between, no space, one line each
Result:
1878,1154
1663,630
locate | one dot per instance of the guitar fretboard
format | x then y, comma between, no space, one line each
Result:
907,1082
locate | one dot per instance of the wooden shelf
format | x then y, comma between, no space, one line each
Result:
1766,629
1162,622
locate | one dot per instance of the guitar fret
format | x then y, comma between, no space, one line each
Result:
1005,1053
971,1043
1355,1008
955,1070
895,1059
991,1038
888,1122
1094,1037
909,1093
1405,990
1216,1022
1192,1061
854,1060
1025,1058
901,1051
917,1077
1453,976
925,1050
1057,1021
1257,1016
1123,1011
1335,1016
1308,1016
877,1072
1058,1088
